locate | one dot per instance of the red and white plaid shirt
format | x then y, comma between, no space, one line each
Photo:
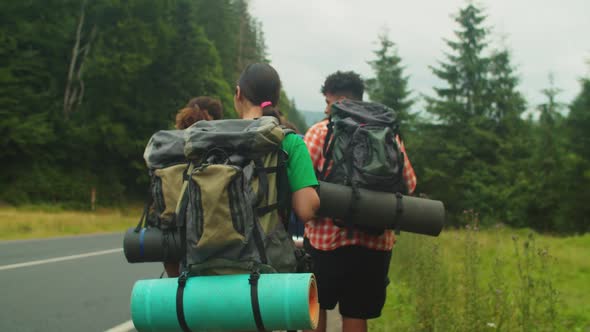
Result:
322,233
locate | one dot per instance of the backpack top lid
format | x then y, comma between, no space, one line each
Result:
246,137
165,147
364,112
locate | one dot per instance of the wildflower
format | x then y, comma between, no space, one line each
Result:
491,324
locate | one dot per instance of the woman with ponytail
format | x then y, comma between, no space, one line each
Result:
257,94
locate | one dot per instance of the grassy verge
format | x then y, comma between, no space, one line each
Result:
492,280
47,221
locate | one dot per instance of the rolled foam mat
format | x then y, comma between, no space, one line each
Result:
287,301
380,209
152,245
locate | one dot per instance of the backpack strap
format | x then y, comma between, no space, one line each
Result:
282,183
144,215
253,280
261,172
180,303
398,211
327,149
180,218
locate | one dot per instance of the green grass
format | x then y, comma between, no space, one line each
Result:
493,280
49,221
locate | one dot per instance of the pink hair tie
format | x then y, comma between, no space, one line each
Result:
266,103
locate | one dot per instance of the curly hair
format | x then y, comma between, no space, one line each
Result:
210,105
348,84
189,115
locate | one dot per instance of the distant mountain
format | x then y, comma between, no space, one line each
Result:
312,117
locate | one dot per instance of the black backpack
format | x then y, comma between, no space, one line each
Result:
361,143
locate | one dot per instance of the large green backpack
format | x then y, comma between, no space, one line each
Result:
233,192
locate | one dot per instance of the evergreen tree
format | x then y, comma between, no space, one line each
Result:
462,144
465,71
547,162
476,148
512,186
389,86
575,212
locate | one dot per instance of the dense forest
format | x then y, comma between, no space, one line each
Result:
85,83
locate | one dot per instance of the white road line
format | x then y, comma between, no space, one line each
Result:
63,237
125,327
59,259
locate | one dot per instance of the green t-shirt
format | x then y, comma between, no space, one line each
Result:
299,167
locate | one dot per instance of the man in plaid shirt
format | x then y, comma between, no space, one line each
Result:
350,271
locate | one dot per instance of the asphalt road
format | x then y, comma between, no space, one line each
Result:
51,285
72,284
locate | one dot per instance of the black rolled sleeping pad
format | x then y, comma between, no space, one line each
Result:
379,210
152,244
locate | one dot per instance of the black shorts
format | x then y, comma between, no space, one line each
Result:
352,276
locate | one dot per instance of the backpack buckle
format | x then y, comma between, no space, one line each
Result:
182,278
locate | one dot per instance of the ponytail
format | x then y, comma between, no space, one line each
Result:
269,110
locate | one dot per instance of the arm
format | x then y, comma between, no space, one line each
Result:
305,203
314,139
409,174
302,180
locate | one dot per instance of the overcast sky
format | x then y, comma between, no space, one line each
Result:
309,39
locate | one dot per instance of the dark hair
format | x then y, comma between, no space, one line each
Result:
260,83
189,115
209,105
290,125
348,84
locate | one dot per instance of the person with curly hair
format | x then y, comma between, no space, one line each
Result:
351,269
211,105
197,109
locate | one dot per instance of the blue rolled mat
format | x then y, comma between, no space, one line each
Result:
288,301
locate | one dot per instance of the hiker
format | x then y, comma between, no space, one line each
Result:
189,115
197,109
350,265
257,94
209,105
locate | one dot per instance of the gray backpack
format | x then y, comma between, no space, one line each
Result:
232,196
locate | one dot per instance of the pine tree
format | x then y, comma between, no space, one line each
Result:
465,72
547,162
462,144
575,216
512,186
390,85
476,148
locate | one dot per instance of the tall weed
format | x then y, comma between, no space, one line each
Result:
466,281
